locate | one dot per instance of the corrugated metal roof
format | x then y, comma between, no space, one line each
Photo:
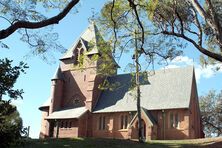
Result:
166,89
68,113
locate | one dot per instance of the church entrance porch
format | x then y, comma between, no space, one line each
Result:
68,123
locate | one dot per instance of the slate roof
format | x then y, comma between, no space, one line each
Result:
68,113
166,89
90,36
147,115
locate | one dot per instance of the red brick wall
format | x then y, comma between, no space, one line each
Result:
195,118
152,132
67,131
44,124
165,131
112,129
83,80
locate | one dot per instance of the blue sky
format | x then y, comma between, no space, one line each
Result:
37,80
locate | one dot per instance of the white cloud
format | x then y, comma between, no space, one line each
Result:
182,60
201,72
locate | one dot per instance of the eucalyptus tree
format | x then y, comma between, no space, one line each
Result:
126,28
34,20
197,22
211,113
10,122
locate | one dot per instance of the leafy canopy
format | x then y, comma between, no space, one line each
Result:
210,106
10,122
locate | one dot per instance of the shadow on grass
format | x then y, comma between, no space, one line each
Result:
107,143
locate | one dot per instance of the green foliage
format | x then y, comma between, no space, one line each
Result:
120,25
151,7
106,85
10,122
211,112
181,20
41,41
8,77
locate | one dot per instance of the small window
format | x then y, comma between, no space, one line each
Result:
66,124
70,124
124,122
81,57
61,124
76,56
174,120
171,120
76,101
84,77
102,123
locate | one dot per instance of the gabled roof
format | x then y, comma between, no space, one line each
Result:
89,38
68,113
166,89
147,115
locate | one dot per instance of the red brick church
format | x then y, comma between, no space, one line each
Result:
78,108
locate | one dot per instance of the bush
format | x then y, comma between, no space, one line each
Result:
10,124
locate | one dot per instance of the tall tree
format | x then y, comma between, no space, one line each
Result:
198,23
211,112
119,21
10,122
28,17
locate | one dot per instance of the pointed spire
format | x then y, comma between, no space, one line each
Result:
58,74
90,38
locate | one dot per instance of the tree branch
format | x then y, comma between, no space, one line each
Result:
215,127
197,22
35,25
133,6
114,26
212,21
216,22
6,19
200,48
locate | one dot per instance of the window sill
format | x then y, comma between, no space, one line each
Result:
123,130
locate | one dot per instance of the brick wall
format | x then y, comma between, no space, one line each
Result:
44,124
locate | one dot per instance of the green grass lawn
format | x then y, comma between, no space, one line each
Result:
114,143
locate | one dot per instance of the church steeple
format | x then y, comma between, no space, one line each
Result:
84,72
89,39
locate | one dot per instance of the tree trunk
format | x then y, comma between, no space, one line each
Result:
140,136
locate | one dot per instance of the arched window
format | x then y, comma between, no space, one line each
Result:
174,120
76,56
124,122
102,123
81,57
